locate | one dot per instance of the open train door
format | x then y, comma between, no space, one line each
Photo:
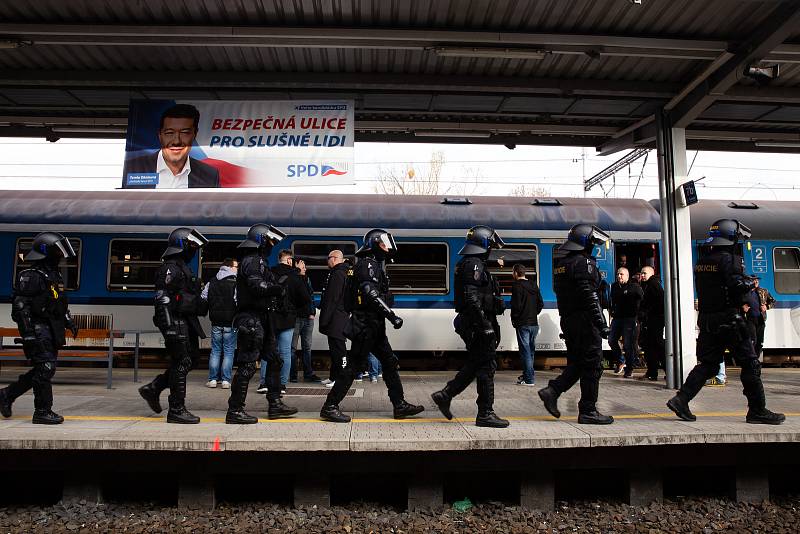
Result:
634,255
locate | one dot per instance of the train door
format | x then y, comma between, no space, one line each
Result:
635,255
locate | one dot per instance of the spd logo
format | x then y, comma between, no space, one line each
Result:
310,170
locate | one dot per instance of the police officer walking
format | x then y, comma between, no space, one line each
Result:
721,289
576,281
477,303
257,292
368,297
178,305
40,309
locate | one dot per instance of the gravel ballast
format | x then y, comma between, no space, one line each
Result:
690,515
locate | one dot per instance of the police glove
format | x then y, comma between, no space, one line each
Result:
487,328
604,331
74,330
396,321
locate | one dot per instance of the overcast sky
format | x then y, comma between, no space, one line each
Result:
83,164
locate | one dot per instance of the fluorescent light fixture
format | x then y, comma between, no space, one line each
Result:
88,129
778,144
446,133
494,53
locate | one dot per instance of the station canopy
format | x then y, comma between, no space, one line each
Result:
555,72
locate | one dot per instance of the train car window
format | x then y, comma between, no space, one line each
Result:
70,269
315,254
511,254
419,268
787,269
133,264
213,254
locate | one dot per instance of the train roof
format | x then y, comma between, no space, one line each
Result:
768,219
127,209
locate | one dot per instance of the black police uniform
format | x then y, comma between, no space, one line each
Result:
368,323
256,290
721,290
576,281
40,309
476,298
177,307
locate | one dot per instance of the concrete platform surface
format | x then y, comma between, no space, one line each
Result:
118,419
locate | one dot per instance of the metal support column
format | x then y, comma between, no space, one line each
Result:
676,248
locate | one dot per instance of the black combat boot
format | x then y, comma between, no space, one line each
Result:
240,417
278,410
681,408
181,416
403,409
150,394
46,417
594,418
5,403
442,399
489,419
764,417
549,397
332,413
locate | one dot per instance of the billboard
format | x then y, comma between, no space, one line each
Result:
178,144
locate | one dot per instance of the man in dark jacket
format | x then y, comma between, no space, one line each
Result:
304,329
220,293
651,313
284,316
332,316
626,296
526,304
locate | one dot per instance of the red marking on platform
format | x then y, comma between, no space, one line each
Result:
215,445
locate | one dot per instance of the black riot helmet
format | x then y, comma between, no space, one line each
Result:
378,242
584,237
725,232
50,246
262,237
184,242
480,240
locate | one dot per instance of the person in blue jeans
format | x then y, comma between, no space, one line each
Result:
284,317
303,331
526,304
220,293
374,368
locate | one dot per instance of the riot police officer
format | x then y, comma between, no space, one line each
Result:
368,297
477,304
256,293
40,309
177,305
576,281
721,288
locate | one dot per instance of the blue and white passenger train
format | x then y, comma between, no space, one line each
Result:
120,235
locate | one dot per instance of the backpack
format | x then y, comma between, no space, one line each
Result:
221,302
351,298
282,305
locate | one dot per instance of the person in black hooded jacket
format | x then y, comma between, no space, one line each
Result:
526,304
284,316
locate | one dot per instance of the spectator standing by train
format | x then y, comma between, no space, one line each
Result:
765,302
526,304
284,315
303,330
220,293
626,296
651,313
332,316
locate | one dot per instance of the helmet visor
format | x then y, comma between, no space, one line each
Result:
273,234
195,239
65,247
598,237
744,232
497,241
387,239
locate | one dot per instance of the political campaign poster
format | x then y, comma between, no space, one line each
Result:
175,144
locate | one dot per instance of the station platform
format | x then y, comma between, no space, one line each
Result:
108,425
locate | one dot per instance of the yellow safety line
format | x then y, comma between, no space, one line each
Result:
157,419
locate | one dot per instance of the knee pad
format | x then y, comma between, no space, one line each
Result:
247,370
44,370
184,364
752,367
